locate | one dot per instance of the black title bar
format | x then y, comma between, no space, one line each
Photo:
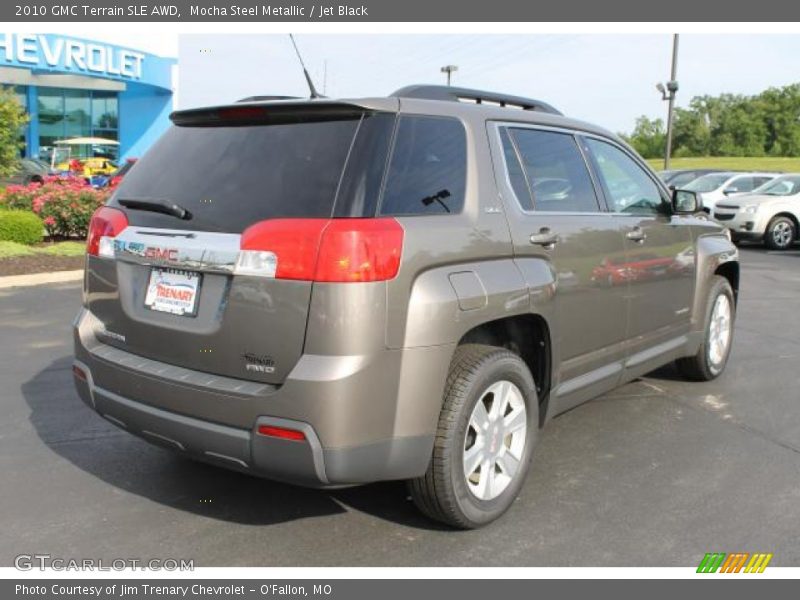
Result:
441,11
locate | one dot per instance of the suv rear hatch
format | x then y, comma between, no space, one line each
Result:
207,264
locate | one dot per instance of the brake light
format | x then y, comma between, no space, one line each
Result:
360,250
106,224
324,250
282,433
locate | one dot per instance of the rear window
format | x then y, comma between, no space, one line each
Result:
230,177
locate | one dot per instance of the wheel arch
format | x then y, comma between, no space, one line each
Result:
789,215
526,335
730,271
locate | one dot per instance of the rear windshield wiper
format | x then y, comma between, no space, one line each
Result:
166,207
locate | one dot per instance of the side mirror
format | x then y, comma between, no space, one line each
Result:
685,202
730,190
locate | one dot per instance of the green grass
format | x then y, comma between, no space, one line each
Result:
63,249
13,249
733,163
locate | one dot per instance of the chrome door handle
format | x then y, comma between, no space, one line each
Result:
545,237
636,235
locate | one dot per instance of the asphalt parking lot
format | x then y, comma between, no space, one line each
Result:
656,473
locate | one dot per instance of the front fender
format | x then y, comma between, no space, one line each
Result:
714,249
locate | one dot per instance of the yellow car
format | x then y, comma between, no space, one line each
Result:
89,166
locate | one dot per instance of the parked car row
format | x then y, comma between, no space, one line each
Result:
755,206
770,213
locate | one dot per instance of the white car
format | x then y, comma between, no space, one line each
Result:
714,187
771,213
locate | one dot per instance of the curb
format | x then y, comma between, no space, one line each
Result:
12,281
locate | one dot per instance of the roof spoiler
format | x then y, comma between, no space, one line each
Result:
267,98
457,94
282,112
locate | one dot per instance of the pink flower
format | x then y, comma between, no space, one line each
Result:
49,221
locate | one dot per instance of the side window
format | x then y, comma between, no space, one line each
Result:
428,169
626,185
741,184
555,171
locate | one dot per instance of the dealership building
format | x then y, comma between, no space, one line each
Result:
72,87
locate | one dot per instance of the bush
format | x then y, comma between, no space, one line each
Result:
20,226
65,204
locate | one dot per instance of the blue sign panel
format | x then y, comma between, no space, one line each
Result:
48,53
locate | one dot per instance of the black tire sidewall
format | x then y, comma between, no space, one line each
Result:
503,365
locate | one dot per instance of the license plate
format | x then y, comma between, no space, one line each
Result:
173,291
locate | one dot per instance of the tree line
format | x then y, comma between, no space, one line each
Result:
767,124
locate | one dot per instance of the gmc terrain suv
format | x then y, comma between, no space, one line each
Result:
338,292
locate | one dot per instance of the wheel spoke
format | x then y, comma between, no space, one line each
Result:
483,489
480,418
473,458
500,400
508,464
515,420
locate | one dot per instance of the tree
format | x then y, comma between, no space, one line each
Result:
729,125
648,137
12,120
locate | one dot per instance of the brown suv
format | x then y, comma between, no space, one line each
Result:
339,292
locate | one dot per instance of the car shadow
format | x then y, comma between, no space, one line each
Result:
75,433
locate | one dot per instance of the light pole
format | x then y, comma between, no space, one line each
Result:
449,69
668,94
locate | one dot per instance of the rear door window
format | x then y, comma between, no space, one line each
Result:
428,168
554,169
230,177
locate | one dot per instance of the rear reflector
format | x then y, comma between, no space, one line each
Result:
79,373
282,433
325,250
106,224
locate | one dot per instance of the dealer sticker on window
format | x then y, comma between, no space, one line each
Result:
172,291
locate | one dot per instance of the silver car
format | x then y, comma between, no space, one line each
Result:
770,214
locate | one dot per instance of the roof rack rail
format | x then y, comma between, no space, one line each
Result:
457,94
267,98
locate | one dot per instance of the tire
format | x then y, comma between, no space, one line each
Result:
710,360
480,373
780,234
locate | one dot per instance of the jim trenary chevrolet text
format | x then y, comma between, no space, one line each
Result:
337,292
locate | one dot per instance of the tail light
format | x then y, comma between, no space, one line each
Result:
324,250
106,224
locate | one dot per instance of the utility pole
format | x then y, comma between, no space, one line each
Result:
668,94
449,69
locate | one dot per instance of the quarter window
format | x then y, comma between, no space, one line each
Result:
428,169
554,170
627,186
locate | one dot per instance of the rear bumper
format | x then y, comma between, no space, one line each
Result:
216,421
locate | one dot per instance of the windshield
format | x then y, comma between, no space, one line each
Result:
782,186
708,183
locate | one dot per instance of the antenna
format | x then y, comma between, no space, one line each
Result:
312,89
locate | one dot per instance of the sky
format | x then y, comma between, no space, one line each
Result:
608,79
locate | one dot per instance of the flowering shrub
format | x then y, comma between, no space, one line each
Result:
65,204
